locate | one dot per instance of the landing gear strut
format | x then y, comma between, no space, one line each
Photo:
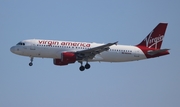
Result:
82,68
31,59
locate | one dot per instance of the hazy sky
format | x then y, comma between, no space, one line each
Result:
146,83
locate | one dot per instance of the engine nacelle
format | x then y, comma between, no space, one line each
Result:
66,58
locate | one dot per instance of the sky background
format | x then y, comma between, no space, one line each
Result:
146,83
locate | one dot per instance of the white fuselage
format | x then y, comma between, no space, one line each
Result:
68,52
53,49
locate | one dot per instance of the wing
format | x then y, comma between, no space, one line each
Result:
90,53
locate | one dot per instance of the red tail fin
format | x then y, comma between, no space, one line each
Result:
155,37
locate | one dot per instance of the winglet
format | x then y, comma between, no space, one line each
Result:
115,43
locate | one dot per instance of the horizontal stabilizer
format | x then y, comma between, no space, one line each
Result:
154,52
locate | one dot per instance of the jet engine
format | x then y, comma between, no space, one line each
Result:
66,58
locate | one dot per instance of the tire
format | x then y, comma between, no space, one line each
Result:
87,66
81,68
30,64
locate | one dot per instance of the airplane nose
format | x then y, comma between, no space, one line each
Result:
12,49
16,50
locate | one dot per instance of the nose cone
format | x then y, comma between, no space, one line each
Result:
16,50
12,49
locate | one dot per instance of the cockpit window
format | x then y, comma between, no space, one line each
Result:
20,43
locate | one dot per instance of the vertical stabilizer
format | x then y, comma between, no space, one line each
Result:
155,38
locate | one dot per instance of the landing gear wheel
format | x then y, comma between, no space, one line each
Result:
87,66
81,68
30,64
31,59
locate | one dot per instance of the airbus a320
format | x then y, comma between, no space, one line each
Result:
68,52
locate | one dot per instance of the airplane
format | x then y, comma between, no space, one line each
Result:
68,52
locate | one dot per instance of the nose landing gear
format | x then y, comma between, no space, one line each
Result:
31,59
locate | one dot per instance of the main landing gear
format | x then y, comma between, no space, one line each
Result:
31,59
82,68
